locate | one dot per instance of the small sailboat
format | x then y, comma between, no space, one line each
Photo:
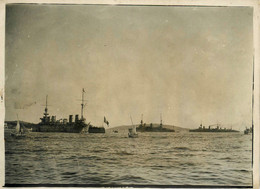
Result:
132,131
19,131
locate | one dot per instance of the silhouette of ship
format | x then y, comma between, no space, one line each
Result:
143,127
248,131
212,128
50,124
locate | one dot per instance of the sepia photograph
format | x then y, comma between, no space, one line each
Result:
129,95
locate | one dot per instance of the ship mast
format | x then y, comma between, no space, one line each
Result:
82,103
161,120
46,109
142,120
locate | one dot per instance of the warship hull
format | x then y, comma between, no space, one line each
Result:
153,129
66,128
93,129
213,130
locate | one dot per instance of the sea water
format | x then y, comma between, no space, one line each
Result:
114,159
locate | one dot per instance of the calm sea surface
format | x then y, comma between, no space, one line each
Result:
113,158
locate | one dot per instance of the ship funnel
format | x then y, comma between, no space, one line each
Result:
48,119
70,118
53,119
77,118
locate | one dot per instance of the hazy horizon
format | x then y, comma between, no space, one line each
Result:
190,64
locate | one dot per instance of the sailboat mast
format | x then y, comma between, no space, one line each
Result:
131,120
133,126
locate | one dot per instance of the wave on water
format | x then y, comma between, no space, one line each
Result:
241,170
160,137
187,164
226,158
130,179
69,173
183,148
124,153
153,158
185,155
98,151
91,157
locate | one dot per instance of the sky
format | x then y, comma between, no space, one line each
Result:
190,64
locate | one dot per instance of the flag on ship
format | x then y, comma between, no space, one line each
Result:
105,121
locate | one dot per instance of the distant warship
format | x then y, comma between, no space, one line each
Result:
248,131
50,124
210,128
152,128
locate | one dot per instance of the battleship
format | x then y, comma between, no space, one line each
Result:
143,127
79,125
212,128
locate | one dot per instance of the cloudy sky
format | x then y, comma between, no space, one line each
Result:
190,64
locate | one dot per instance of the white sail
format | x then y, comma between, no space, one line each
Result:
130,131
18,127
134,129
19,131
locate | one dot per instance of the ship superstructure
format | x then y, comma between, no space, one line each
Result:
212,128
